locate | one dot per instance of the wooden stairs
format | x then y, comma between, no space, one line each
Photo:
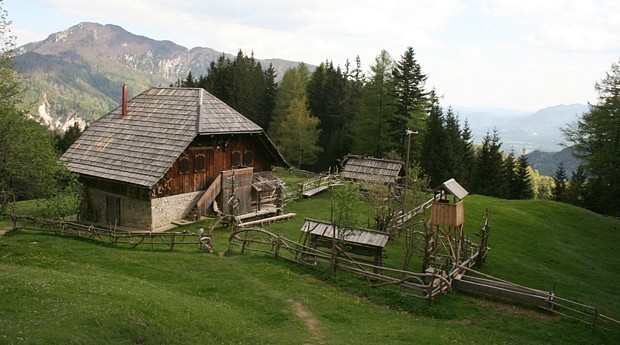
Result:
206,200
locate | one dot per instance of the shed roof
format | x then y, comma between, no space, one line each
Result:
139,147
265,181
455,188
371,169
358,235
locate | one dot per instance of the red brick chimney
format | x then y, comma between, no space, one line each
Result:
124,105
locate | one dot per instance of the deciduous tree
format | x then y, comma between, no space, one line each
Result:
293,129
29,166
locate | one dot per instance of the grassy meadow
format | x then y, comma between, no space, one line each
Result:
73,291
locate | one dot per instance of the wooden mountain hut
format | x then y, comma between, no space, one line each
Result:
169,152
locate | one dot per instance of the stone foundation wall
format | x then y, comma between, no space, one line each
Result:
133,213
173,207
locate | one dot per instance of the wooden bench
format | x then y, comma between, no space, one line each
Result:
312,192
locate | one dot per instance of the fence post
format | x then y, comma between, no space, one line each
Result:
173,240
277,251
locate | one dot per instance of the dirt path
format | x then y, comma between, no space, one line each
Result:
4,231
312,324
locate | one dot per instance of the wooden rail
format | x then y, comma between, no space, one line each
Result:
428,285
131,239
499,289
318,184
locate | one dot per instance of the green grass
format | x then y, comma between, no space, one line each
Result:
64,290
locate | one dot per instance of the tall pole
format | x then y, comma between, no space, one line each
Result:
408,132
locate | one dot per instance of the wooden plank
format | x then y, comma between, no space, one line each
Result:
314,191
268,220
504,291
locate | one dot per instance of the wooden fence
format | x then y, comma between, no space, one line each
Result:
131,239
319,183
428,285
491,287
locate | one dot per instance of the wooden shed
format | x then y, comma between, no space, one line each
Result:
166,153
448,208
369,169
363,242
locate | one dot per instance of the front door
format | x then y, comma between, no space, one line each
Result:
113,209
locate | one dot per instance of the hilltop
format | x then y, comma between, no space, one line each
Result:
80,71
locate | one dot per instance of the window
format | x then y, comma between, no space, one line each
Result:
199,163
248,158
236,159
183,165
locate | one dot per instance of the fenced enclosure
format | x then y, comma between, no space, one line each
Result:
430,284
426,285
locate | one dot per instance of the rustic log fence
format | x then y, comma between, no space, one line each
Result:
319,183
113,236
428,285
478,283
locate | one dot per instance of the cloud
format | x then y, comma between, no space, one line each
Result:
314,29
580,26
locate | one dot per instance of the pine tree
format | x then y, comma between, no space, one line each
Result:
327,94
576,190
452,146
509,188
559,183
524,186
377,104
432,145
488,177
411,101
269,96
466,151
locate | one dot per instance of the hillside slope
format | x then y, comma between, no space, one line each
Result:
148,296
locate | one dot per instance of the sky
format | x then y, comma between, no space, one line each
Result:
521,55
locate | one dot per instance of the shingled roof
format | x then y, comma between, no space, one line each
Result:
371,169
139,147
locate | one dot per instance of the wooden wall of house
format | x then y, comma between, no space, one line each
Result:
207,156
118,188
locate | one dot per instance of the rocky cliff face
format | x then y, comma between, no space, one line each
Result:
78,73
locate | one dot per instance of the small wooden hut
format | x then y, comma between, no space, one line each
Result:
369,169
448,208
358,241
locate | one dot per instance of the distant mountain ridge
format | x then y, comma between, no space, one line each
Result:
78,72
521,130
547,162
